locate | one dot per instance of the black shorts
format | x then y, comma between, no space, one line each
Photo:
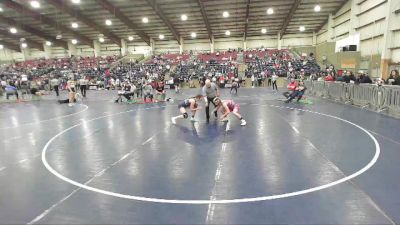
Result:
72,90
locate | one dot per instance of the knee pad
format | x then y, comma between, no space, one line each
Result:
185,115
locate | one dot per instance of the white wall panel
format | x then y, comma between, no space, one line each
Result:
342,18
202,45
322,37
373,15
341,29
109,49
344,8
58,52
36,54
288,42
258,42
372,30
227,43
166,46
371,46
369,4
395,39
396,55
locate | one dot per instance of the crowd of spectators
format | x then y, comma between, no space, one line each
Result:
222,67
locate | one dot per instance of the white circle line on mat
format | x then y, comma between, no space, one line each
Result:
222,201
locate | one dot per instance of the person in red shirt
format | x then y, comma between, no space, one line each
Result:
291,88
221,81
329,78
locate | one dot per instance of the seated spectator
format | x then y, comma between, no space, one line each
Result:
298,92
365,79
160,92
329,77
291,88
394,78
128,91
11,90
148,92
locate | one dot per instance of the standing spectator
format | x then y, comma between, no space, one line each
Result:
269,80
274,79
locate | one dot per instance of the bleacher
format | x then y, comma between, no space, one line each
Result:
218,57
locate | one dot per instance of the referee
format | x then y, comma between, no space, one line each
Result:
210,91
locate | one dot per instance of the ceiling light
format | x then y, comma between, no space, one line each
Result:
48,43
270,11
227,33
145,20
13,30
184,17
108,22
193,35
317,8
35,4
264,31
76,1
74,25
225,14
130,38
1,9
101,39
74,41
302,28
161,36
1,46
24,45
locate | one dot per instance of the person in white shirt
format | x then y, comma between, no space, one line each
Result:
274,78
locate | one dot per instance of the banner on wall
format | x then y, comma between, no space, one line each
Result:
352,40
348,63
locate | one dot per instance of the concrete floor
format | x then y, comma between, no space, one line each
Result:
106,163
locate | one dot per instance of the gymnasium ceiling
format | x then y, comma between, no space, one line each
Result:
35,26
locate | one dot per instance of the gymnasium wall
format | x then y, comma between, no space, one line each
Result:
138,47
377,23
304,50
326,50
201,45
341,23
267,41
293,40
166,46
395,34
163,46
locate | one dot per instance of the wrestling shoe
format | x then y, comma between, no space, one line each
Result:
173,120
243,123
192,119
